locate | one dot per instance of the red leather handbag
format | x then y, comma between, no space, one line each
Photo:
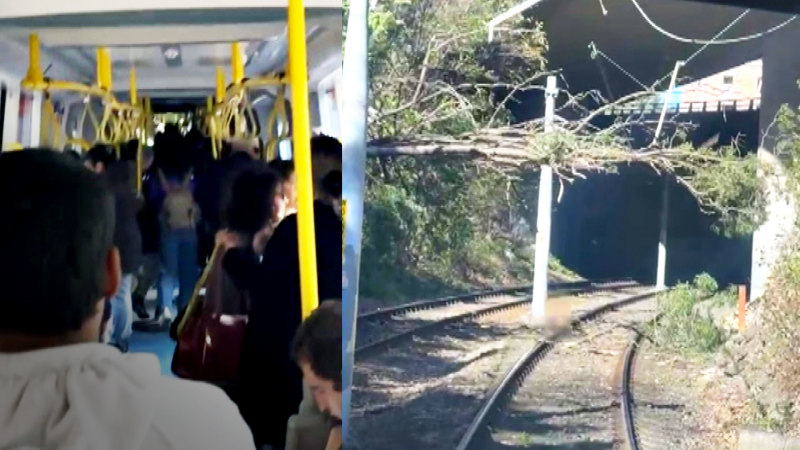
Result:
211,332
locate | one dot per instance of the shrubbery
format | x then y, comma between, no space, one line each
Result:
684,326
436,226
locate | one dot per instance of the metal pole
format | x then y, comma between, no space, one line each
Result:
237,63
661,271
36,119
662,236
220,85
354,135
301,140
544,210
678,65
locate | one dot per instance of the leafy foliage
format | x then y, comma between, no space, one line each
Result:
779,323
439,225
681,326
432,69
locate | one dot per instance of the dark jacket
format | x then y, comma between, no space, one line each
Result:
269,381
127,236
149,224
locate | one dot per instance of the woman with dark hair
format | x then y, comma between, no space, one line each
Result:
254,205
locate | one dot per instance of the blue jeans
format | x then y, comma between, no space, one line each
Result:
122,312
178,269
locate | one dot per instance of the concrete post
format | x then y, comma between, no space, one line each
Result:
543,214
662,235
661,270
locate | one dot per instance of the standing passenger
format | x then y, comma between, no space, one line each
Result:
148,273
179,268
127,237
267,375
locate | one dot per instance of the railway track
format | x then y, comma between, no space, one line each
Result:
626,395
389,330
478,434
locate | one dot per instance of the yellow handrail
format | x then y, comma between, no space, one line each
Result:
278,111
301,131
120,122
52,125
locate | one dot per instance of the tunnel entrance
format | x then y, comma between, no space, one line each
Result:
607,226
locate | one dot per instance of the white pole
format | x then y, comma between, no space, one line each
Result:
661,271
354,139
662,236
672,82
508,14
36,120
544,210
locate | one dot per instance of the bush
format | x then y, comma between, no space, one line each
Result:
680,327
781,323
436,226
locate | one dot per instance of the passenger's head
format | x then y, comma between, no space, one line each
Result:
57,261
285,168
129,151
332,189
326,156
255,200
99,158
317,349
249,146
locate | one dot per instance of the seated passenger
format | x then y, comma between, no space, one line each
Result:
317,349
59,387
270,382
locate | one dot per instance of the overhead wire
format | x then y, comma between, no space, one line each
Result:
728,41
716,36
595,51
706,45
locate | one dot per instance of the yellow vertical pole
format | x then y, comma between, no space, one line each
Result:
212,129
301,135
134,94
107,69
146,108
220,85
103,69
34,75
99,58
139,167
237,65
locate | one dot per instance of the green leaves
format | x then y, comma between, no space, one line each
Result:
682,325
432,70
445,219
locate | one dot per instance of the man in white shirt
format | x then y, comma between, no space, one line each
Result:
59,387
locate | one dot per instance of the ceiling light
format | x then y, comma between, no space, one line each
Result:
172,52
